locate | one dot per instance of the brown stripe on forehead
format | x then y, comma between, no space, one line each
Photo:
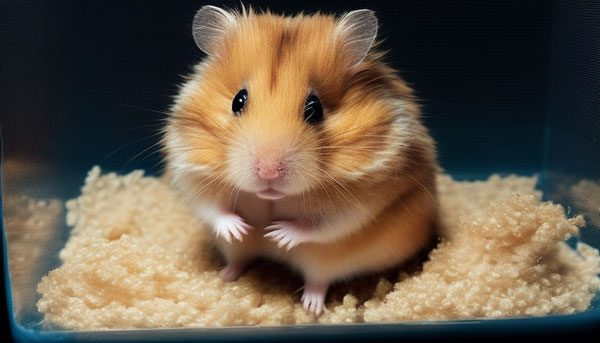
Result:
282,48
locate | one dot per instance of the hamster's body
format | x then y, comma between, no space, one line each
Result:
292,142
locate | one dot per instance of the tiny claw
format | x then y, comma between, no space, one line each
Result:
286,234
237,235
313,298
231,225
272,227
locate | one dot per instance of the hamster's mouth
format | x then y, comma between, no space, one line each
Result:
270,194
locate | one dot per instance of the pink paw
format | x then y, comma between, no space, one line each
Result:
231,225
313,298
232,271
287,233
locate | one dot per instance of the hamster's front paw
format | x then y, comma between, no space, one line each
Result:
287,233
231,225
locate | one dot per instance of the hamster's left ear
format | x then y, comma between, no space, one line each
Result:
358,30
210,26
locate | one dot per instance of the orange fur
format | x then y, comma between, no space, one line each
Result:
371,154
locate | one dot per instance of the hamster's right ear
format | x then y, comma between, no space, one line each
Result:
358,29
210,26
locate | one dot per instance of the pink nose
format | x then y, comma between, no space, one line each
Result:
269,168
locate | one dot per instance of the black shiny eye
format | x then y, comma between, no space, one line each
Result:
313,110
239,102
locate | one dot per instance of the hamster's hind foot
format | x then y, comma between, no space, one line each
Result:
313,298
233,270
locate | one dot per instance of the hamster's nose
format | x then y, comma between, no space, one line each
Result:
269,168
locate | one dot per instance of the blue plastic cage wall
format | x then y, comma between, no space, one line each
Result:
507,86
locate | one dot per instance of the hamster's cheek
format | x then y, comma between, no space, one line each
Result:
240,169
304,173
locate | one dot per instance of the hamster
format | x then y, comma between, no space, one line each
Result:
292,140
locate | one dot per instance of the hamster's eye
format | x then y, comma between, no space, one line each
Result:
239,101
313,110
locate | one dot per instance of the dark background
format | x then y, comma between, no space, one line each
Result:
84,82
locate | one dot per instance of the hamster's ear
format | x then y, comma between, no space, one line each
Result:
210,27
358,30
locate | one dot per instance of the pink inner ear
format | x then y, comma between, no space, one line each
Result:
210,26
358,29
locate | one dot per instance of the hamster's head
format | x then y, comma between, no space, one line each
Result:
283,105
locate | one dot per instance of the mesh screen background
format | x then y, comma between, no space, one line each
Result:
573,124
